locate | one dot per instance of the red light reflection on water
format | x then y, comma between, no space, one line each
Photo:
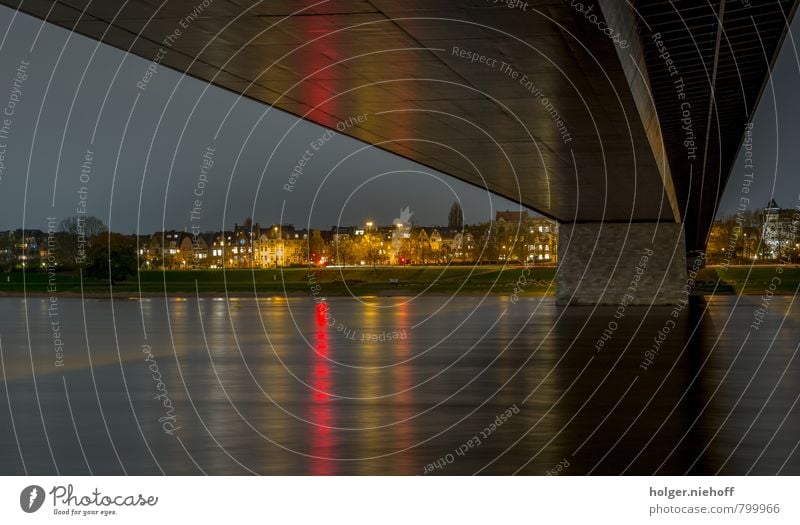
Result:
321,411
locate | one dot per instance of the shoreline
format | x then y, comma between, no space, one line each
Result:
370,282
238,294
221,294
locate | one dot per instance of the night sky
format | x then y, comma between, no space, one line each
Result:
776,138
83,133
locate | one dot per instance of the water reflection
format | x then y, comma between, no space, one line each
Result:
320,408
275,387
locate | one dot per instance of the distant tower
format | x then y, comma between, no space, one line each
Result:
772,221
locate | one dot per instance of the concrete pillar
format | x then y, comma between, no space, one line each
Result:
613,264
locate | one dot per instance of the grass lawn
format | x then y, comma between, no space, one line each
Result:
749,280
407,280
391,280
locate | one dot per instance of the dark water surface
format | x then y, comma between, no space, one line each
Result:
394,385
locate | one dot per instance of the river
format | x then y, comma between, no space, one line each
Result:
415,386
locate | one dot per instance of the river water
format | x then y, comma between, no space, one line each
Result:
414,386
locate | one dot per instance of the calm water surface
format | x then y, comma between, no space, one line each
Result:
396,386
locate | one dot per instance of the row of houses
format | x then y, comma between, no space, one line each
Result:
241,247
513,237
767,235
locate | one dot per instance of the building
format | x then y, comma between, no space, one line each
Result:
281,245
515,237
780,237
543,241
23,248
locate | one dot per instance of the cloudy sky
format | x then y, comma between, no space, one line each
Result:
82,133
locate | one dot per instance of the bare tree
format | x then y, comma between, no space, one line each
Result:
90,225
73,232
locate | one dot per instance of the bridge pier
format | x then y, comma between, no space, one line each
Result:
621,264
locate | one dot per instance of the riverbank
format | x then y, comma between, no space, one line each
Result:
360,281
748,280
380,281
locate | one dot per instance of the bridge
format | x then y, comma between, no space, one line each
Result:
621,120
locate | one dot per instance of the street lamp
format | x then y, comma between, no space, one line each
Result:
746,250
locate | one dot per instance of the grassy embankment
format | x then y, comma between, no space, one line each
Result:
333,281
377,281
748,280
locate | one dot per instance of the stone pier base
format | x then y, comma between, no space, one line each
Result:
613,264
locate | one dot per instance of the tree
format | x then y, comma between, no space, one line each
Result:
7,251
444,255
484,247
345,251
455,218
371,248
112,258
74,231
90,225
405,252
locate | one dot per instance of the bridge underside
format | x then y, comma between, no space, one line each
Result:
604,112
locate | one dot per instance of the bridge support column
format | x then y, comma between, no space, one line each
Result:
613,264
